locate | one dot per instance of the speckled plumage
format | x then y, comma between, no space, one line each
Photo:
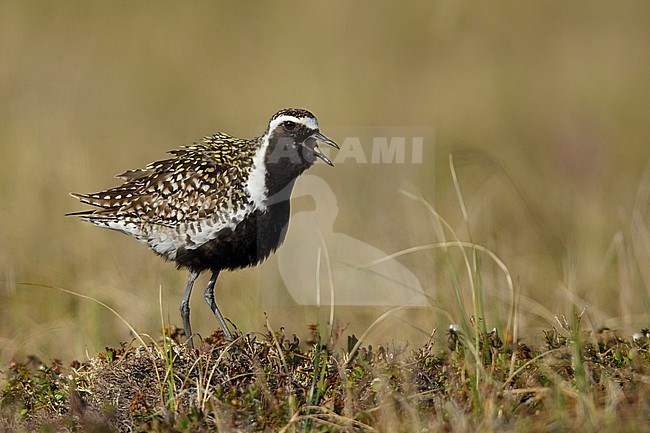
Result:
222,203
170,203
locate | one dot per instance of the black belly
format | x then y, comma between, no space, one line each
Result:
249,243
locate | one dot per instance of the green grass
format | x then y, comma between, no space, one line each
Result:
574,381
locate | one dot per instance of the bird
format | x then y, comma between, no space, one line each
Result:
221,203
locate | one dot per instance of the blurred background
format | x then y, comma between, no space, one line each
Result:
542,106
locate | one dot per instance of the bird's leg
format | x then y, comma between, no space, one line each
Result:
209,298
185,308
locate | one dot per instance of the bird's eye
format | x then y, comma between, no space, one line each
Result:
289,125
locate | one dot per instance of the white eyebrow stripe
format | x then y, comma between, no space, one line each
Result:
309,122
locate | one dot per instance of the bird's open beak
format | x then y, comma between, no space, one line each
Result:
317,152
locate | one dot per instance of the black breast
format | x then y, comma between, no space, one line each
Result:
252,240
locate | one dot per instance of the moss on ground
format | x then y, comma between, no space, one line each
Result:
274,382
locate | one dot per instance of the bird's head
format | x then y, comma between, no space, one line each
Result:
293,137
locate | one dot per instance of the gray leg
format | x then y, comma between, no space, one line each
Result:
185,308
209,298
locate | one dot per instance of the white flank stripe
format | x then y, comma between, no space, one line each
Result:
256,184
207,229
167,241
